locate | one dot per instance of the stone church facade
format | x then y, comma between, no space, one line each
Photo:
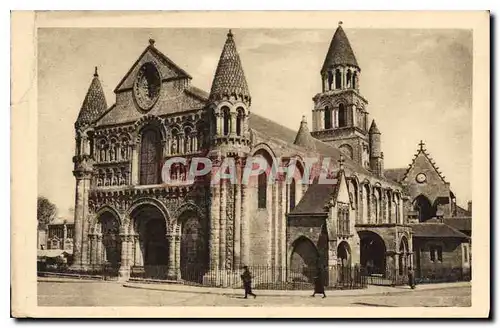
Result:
125,216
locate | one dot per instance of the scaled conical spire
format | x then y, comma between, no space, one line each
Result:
373,128
94,104
340,51
304,138
229,79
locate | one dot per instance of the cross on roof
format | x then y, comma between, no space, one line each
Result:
421,144
95,72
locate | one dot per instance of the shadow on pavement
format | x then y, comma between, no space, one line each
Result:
372,304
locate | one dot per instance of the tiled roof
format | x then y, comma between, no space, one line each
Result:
461,224
340,51
94,104
396,174
315,199
229,77
436,230
197,92
304,137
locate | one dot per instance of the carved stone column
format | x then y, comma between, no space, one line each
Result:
214,227
124,272
222,243
177,269
282,229
237,221
93,249
171,256
274,224
80,240
134,162
245,227
138,253
99,248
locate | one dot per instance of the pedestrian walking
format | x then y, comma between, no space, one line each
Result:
319,283
247,282
411,278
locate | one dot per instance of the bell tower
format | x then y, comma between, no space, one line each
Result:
94,105
339,115
229,104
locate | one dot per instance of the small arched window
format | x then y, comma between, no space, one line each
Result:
330,80
226,118
292,194
262,191
354,80
239,121
328,118
338,79
90,137
150,157
342,116
349,76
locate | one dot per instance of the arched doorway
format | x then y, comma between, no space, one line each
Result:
372,252
423,206
344,254
109,226
193,247
304,260
403,256
151,227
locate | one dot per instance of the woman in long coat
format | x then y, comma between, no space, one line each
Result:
319,283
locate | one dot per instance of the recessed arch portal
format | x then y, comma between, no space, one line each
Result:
150,225
404,255
304,259
193,246
109,226
373,251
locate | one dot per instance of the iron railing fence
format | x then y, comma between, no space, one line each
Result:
263,277
103,271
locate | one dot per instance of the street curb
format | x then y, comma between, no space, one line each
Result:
268,293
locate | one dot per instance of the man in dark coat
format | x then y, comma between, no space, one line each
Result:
411,278
247,282
319,283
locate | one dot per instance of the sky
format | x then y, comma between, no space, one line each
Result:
418,84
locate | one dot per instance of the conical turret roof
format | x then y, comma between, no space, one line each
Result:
373,128
94,104
340,51
229,77
304,138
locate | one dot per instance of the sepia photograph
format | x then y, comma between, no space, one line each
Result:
315,166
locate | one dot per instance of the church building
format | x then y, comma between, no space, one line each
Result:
384,220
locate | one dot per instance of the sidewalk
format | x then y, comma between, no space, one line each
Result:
370,290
